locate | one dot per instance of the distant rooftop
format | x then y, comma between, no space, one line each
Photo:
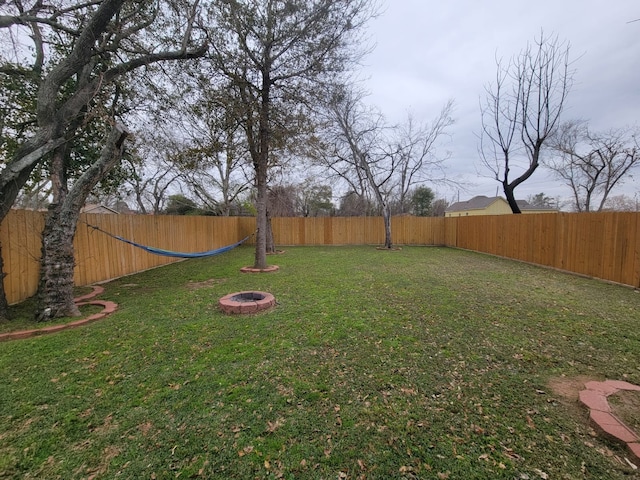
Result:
481,202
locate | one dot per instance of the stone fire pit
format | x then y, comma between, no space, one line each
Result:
246,302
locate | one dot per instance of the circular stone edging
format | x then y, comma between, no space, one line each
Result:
107,308
246,302
594,397
271,268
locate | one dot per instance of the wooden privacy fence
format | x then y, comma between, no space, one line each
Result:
406,230
602,245
100,257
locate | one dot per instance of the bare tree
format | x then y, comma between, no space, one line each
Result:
152,175
439,207
622,203
359,155
522,110
282,200
540,200
278,54
353,204
416,149
375,158
214,159
593,164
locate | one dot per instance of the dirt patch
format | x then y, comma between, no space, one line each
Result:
568,388
206,283
626,406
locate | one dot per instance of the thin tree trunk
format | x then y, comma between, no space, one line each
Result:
511,199
270,246
386,215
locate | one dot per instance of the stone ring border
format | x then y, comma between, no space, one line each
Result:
594,397
107,308
269,269
230,306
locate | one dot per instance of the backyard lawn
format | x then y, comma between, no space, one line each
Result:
426,363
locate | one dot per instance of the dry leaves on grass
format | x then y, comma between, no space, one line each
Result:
108,454
245,451
273,426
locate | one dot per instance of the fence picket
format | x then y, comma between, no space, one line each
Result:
604,245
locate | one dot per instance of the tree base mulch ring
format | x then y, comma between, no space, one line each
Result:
269,269
107,308
246,302
276,252
605,416
392,249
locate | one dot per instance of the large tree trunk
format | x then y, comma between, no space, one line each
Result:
262,164
55,288
261,219
51,116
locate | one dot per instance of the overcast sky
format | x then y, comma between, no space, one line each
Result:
427,52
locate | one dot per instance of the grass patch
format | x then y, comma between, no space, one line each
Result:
423,363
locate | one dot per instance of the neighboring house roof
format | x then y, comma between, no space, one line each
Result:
476,203
524,205
482,202
98,209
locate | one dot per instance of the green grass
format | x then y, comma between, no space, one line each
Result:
419,363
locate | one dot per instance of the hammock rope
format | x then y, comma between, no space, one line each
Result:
170,253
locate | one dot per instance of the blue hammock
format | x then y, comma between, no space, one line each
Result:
170,253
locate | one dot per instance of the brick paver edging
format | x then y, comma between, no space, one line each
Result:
258,302
269,269
107,308
594,397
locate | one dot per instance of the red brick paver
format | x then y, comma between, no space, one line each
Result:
595,398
